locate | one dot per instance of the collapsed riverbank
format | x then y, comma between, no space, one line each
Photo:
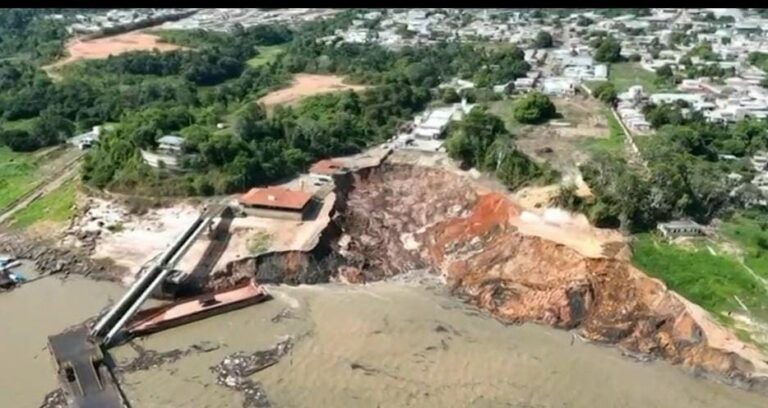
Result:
518,266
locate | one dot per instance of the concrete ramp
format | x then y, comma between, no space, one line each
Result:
82,372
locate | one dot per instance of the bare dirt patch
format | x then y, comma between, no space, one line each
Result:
306,85
99,48
130,240
560,142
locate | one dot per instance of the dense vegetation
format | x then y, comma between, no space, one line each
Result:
606,92
533,108
192,91
26,35
482,141
258,149
607,49
685,176
543,40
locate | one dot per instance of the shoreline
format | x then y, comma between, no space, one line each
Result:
706,364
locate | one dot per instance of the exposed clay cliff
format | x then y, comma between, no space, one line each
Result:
400,218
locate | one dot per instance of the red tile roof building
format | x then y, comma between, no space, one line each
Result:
278,198
327,167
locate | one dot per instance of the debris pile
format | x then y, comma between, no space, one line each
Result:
55,399
234,370
50,260
149,359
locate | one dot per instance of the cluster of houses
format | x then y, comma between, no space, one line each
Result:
718,103
427,130
116,19
395,28
212,19
224,19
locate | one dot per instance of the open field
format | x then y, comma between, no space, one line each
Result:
55,207
560,142
21,124
17,175
626,74
117,44
712,276
304,85
708,279
614,143
20,173
751,236
266,55
503,109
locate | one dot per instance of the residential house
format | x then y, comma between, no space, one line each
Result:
674,229
276,202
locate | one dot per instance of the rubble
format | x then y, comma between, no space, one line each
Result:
51,260
234,370
55,399
149,359
235,367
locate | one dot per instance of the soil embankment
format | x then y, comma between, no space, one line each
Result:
401,218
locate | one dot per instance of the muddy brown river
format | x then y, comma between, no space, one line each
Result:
388,344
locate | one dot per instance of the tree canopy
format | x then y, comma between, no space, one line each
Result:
533,108
543,40
608,50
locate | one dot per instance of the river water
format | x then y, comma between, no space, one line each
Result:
383,345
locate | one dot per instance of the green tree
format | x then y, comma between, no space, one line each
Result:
606,92
449,95
665,71
609,50
543,40
471,138
533,108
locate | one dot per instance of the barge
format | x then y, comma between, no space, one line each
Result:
163,317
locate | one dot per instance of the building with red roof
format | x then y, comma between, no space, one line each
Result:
276,202
325,169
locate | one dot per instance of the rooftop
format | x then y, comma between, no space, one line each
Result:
680,224
277,197
171,140
328,167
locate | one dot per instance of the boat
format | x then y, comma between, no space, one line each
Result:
154,319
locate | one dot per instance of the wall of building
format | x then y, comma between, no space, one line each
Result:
153,159
278,214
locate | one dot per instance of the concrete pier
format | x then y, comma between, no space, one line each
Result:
87,380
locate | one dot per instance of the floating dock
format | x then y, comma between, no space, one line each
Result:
87,380
186,311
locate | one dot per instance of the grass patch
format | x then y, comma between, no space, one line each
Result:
259,242
627,74
750,231
21,124
709,280
504,110
17,175
266,55
614,143
57,206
